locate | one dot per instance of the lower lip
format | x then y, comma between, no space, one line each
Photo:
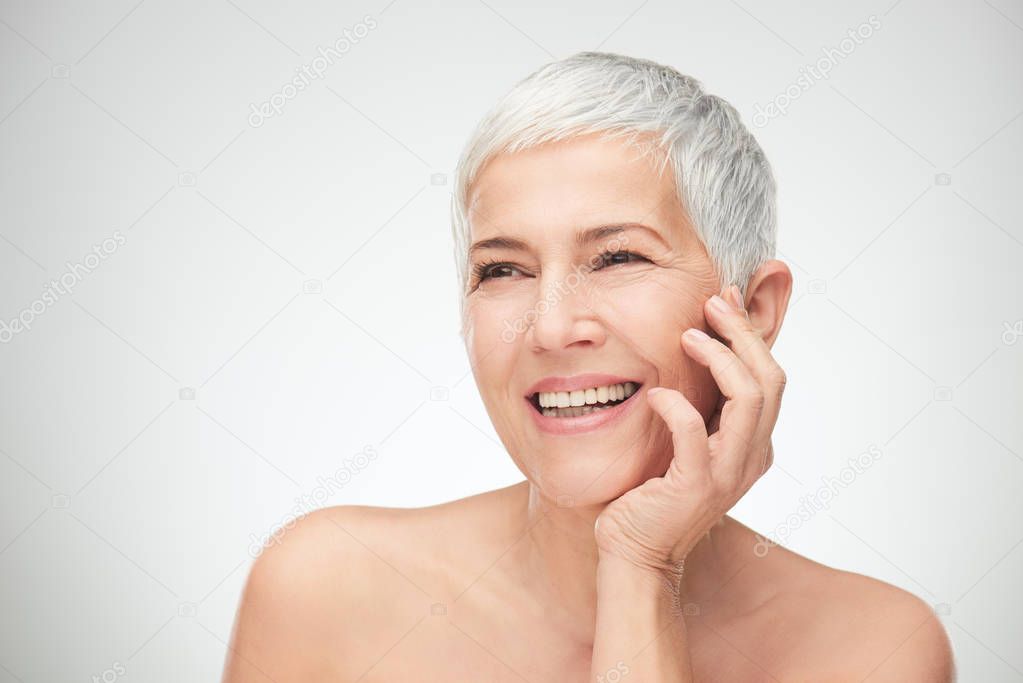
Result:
583,423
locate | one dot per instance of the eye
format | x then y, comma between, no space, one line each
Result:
615,258
492,270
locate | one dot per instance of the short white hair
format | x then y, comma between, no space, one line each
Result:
722,176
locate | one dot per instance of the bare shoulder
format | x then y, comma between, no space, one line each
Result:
851,624
340,579
308,584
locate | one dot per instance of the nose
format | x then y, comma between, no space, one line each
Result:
563,317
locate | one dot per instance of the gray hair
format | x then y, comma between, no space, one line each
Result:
722,177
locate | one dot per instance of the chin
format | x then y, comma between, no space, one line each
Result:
583,477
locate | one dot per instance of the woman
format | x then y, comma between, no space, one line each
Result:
583,260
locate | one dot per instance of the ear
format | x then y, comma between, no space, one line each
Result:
767,298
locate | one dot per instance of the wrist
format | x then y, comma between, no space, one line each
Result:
636,613
666,570
662,583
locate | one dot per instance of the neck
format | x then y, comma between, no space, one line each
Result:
558,560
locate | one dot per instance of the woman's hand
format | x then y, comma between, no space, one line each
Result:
656,524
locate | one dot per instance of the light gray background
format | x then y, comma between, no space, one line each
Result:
129,504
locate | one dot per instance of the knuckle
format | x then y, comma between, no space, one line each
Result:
756,398
778,378
689,421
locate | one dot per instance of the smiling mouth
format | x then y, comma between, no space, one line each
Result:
559,403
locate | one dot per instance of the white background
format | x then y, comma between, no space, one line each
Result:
297,278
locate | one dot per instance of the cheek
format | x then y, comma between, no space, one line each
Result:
649,311
492,327
494,319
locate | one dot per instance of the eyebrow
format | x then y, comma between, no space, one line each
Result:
582,238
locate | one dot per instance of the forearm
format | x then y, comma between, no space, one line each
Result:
639,632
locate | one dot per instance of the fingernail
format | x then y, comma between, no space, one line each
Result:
720,304
697,335
653,390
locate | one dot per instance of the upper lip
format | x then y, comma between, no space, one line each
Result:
576,382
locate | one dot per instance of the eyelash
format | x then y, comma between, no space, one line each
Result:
482,270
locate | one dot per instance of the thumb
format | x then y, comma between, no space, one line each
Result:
688,432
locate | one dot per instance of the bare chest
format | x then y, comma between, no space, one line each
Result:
453,647
445,648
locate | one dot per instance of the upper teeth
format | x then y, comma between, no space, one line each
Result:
580,397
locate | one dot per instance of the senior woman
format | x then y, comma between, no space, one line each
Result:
615,227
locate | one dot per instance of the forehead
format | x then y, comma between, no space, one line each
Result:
572,183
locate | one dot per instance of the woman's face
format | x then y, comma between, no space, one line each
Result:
548,300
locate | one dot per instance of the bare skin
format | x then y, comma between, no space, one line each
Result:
351,594
518,584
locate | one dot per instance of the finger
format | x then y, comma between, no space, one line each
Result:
744,403
772,381
748,345
688,435
768,458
